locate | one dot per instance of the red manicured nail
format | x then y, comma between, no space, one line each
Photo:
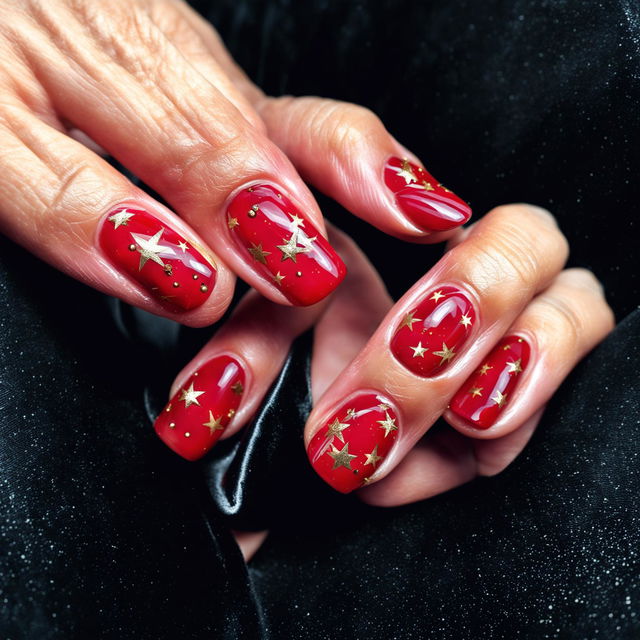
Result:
196,416
424,200
157,257
431,334
483,396
354,442
283,245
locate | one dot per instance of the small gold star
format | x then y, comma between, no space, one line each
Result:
351,413
476,391
296,222
383,406
335,429
446,353
190,396
290,249
373,457
437,295
427,186
419,350
406,172
278,278
514,367
388,424
499,398
237,388
258,253
506,347
341,458
465,321
184,246
120,219
149,248
214,424
484,369
232,223
408,321
443,187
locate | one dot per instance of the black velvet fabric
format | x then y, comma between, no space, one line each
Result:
106,534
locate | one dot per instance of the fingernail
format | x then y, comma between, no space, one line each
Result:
281,243
161,260
486,392
354,442
424,200
199,412
431,334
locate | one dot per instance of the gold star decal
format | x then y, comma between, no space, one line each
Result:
149,249
290,249
341,458
484,368
184,246
465,321
437,295
406,172
476,391
383,406
514,367
419,350
388,424
499,398
446,353
296,222
373,457
427,186
408,321
237,388
258,253
443,187
506,347
214,424
120,219
335,429
278,278
190,396
232,223
351,413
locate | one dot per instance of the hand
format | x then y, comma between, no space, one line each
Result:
149,82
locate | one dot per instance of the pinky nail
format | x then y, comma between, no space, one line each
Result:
424,200
200,411
482,398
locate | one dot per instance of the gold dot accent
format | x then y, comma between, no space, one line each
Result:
172,425
299,274
204,288
132,247
176,285
187,434
195,276
253,211
231,413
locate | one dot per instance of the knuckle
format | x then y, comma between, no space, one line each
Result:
558,316
351,127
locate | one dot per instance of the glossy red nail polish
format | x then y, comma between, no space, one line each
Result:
281,243
483,396
354,442
431,334
424,200
157,257
199,412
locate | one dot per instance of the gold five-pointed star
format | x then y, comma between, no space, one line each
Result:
278,278
232,223
499,398
190,396
514,367
373,457
465,321
121,218
259,253
214,424
388,424
427,186
184,246
351,413
484,368
476,391
406,172
408,321
419,350
446,353
341,458
290,249
383,406
335,429
296,222
437,295
149,248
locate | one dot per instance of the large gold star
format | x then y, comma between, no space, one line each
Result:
465,320
259,253
373,457
121,218
341,458
290,249
419,350
499,398
476,391
484,369
408,321
406,172
335,429
437,295
446,353
190,396
388,424
214,424
149,249
514,367
296,222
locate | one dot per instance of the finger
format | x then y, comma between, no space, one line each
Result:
527,366
401,382
119,79
68,206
